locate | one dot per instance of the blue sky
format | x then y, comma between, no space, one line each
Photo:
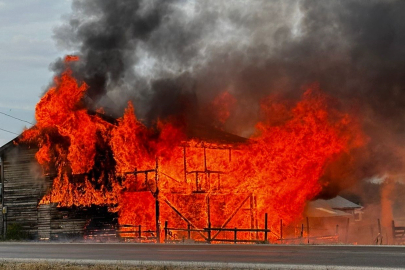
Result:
26,51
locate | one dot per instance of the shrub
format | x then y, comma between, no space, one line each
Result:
16,232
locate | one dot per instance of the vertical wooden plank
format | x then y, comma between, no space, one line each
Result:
265,227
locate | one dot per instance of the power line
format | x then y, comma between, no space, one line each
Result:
9,131
22,120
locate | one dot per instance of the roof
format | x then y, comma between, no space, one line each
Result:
211,134
199,132
330,208
321,208
8,145
341,203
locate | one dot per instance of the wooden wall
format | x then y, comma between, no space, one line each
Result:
1,221
59,224
24,186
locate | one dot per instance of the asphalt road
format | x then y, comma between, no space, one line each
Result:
358,256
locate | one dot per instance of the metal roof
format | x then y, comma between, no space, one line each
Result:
341,203
330,208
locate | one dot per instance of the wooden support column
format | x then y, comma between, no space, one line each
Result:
209,234
265,227
208,211
256,219
185,164
207,174
252,218
157,204
166,231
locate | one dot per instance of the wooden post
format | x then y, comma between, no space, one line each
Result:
379,232
252,219
207,174
308,229
185,164
265,227
302,230
281,230
166,223
337,231
188,231
139,231
209,234
235,231
256,219
208,210
157,220
393,232
157,206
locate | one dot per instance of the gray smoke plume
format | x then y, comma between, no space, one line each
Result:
172,57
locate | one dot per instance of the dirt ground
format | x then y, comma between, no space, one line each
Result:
70,266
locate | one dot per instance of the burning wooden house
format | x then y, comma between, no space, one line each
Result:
27,201
126,179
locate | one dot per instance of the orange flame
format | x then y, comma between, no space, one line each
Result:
276,171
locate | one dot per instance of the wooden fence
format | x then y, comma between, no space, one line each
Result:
211,234
398,234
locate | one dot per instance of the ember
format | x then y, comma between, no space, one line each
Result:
129,167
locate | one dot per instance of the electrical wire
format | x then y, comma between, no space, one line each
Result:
9,131
22,120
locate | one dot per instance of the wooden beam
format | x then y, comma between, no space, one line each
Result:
183,217
231,216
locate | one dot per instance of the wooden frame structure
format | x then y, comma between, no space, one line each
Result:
198,189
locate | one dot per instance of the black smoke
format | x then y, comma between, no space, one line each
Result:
172,57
